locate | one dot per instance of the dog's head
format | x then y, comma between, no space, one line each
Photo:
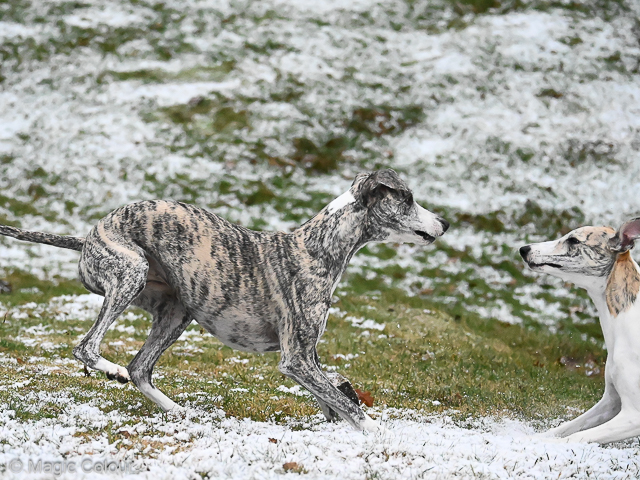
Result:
392,213
584,256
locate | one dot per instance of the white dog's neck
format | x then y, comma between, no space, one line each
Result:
616,297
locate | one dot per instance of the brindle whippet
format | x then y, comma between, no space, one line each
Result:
255,291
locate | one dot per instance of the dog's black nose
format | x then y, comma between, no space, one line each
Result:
445,224
524,250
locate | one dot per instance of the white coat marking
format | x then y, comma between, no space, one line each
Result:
342,201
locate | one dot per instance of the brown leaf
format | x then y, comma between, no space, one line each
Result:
365,397
293,467
20,361
273,440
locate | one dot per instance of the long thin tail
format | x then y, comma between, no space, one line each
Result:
72,243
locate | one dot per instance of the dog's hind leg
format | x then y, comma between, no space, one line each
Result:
88,350
169,321
119,272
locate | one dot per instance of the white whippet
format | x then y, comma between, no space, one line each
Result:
598,260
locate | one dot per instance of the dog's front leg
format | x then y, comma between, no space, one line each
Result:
342,384
299,361
624,425
603,411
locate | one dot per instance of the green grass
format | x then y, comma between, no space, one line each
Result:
424,359
606,9
472,365
29,288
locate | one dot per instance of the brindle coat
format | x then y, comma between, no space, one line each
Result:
255,291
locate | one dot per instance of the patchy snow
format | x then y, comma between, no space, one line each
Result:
296,390
365,323
65,307
527,106
172,447
183,446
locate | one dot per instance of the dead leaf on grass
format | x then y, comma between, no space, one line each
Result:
365,397
293,467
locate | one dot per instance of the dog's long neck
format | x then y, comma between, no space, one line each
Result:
623,285
335,234
616,296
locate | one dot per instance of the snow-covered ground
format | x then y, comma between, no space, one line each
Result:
524,110
201,444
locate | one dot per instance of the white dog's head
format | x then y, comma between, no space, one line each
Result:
586,256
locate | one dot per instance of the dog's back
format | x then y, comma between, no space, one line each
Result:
232,280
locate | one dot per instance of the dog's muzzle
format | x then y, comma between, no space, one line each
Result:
425,236
524,253
430,238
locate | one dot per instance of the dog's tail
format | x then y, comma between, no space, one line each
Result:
72,243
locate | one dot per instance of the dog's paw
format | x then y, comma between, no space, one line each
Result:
578,437
121,375
370,425
551,439
177,412
546,435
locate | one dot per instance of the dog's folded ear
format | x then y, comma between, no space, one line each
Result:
380,183
624,240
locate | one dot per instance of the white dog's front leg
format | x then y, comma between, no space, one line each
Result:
624,425
603,411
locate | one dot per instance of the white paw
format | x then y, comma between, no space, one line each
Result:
554,439
118,373
370,425
124,373
545,435
176,411
577,438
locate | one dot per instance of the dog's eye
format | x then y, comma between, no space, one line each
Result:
409,199
573,241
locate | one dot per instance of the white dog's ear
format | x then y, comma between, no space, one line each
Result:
624,240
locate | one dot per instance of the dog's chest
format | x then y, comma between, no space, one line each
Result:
622,334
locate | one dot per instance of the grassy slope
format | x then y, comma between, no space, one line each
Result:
454,362
424,359
300,127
